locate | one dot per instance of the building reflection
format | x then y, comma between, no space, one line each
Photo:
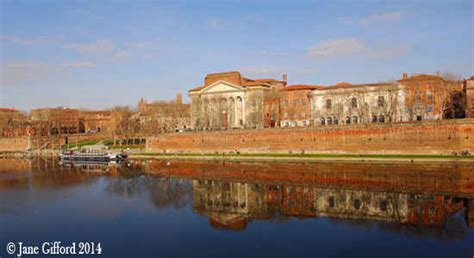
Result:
233,204
232,195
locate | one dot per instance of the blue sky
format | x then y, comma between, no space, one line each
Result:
97,54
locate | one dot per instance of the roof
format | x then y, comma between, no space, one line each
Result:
350,86
235,78
302,87
420,77
8,110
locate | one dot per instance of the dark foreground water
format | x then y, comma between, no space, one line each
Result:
216,209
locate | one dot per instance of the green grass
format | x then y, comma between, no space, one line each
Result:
126,147
79,144
288,155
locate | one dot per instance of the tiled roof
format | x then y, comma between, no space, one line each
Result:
350,86
422,77
302,87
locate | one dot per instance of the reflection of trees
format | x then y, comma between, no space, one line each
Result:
163,192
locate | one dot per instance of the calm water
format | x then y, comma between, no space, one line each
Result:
216,209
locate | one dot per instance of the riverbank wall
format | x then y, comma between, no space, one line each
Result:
443,137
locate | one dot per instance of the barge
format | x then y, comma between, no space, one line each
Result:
92,153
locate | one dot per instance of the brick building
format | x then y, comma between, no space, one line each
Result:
469,91
295,105
12,123
427,96
57,120
97,120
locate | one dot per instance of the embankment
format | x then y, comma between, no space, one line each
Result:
443,137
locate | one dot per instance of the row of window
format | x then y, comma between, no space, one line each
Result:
354,104
295,102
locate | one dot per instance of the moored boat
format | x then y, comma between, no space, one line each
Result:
92,153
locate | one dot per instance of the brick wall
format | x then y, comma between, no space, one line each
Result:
13,144
428,137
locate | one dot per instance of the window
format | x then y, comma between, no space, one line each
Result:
295,103
303,102
336,121
304,122
429,95
348,120
295,123
381,101
430,109
418,95
286,115
353,102
328,104
285,102
303,115
295,115
329,121
381,119
355,120
323,121
419,118
374,119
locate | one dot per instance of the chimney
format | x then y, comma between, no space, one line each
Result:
285,78
405,76
179,98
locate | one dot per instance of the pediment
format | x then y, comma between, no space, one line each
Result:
222,86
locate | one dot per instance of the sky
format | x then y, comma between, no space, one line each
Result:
99,54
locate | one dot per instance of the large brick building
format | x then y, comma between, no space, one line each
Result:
228,100
12,123
469,91
57,120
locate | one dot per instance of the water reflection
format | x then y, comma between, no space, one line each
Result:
411,199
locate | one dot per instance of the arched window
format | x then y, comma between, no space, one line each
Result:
381,101
323,121
374,119
328,104
381,119
335,120
354,102
348,120
329,120
355,120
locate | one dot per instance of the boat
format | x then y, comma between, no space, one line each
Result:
92,153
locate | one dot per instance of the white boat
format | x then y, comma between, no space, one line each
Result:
92,153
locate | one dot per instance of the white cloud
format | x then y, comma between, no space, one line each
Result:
335,48
373,18
99,46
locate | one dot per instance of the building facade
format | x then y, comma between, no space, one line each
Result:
345,103
58,120
295,105
228,100
469,91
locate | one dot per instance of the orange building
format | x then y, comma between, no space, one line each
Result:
97,121
12,123
295,105
427,95
59,120
469,91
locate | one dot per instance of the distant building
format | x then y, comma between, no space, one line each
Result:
58,120
163,116
228,100
427,96
345,103
469,91
97,120
295,105
12,123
